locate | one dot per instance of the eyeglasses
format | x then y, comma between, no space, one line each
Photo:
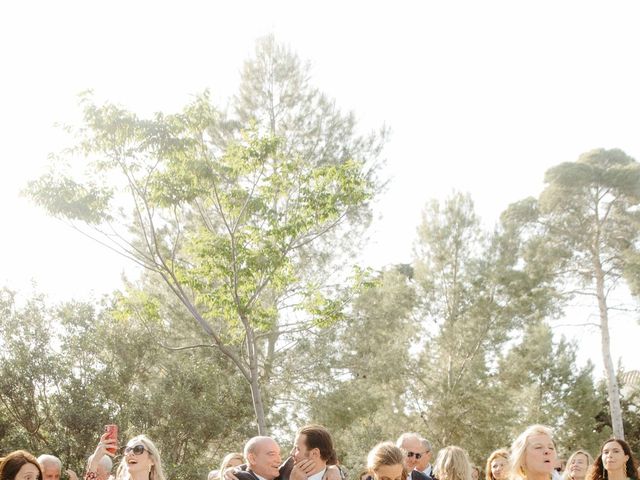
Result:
415,454
137,449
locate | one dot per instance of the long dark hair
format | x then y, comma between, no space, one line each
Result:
12,463
598,472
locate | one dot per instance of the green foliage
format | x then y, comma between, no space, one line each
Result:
589,208
585,402
586,232
65,198
235,214
237,220
479,292
353,372
83,369
548,389
29,371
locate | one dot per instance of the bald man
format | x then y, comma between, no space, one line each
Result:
263,459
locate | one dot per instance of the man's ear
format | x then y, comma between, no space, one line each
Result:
251,458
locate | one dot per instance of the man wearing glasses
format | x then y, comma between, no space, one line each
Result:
414,450
424,463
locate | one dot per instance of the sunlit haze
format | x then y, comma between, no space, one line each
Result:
480,97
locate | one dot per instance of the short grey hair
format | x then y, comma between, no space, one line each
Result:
252,445
105,461
406,436
49,460
425,443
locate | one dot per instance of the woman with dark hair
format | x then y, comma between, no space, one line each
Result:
615,462
20,465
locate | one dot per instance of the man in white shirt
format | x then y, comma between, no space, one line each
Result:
313,443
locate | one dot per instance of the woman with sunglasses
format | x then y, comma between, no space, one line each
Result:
615,462
140,459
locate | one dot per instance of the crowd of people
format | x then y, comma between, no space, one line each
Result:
532,456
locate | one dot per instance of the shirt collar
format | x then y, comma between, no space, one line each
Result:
318,476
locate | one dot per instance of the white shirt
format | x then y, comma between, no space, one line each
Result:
318,476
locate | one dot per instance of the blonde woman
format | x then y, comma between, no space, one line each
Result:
533,454
140,459
385,461
230,460
498,465
452,463
577,465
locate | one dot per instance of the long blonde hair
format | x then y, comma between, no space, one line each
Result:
567,473
452,463
156,472
227,460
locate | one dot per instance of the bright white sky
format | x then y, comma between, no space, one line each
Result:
481,97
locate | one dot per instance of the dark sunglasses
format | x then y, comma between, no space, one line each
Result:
414,454
137,449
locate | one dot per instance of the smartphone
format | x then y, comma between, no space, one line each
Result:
112,430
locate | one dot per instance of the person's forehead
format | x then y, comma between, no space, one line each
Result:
268,446
612,444
540,438
29,467
412,442
389,470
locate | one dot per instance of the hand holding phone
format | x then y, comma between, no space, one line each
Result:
112,434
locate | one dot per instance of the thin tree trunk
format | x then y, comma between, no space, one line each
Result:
254,381
258,406
612,381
